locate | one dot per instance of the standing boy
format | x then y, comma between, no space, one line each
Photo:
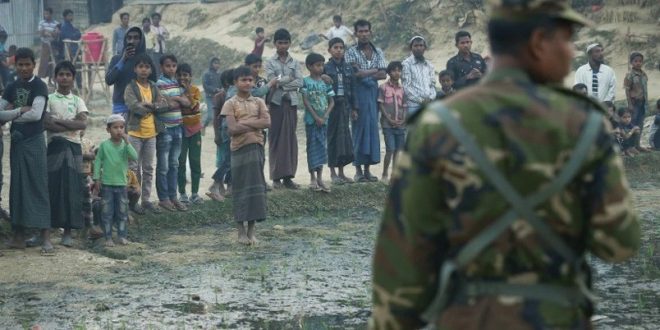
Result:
393,113
191,144
247,117
119,33
144,103
636,86
28,192
282,140
317,97
370,65
168,142
340,143
110,178
222,173
446,84
66,117
418,76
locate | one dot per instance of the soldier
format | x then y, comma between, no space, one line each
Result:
502,190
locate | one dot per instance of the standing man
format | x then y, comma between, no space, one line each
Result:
48,33
488,222
212,85
466,67
598,77
282,139
418,77
338,30
370,65
161,34
119,33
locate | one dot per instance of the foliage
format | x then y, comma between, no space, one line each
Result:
198,53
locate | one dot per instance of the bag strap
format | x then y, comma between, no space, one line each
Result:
487,236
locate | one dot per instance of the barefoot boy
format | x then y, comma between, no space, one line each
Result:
392,115
66,117
246,118
318,100
110,168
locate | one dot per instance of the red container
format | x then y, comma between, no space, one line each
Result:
94,42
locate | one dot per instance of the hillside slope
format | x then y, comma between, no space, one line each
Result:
226,28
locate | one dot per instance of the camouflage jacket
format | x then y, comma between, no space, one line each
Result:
439,199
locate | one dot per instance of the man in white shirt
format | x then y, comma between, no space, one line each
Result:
418,77
598,77
339,31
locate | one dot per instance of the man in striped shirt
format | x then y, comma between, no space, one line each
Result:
168,143
418,76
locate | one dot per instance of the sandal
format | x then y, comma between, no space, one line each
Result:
291,185
324,188
47,251
315,187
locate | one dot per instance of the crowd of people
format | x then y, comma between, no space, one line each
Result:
157,117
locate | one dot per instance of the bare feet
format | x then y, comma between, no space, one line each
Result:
251,233
167,205
47,248
323,187
123,241
109,242
242,234
178,205
67,240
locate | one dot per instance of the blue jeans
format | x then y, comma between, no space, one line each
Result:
208,118
168,149
115,210
413,108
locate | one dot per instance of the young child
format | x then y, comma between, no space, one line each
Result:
110,169
259,42
627,133
191,146
340,142
66,117
168,142
319,101
261,85
132,191
88,156
392,115
636,86
654,137
447,83
144,103
222,174
23,103
247,117
581,89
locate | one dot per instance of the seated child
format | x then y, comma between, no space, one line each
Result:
627,133
447,82
110,172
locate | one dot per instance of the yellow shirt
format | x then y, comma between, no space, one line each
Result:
147,123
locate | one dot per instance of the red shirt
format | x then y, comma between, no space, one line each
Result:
258,50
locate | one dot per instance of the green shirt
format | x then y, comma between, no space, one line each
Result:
440,199
111,164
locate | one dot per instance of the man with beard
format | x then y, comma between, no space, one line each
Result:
598,77
418,77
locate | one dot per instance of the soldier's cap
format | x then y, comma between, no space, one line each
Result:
114,118
524,10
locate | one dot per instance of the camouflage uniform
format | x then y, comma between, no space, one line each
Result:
441,201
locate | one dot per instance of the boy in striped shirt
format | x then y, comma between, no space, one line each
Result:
168,143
